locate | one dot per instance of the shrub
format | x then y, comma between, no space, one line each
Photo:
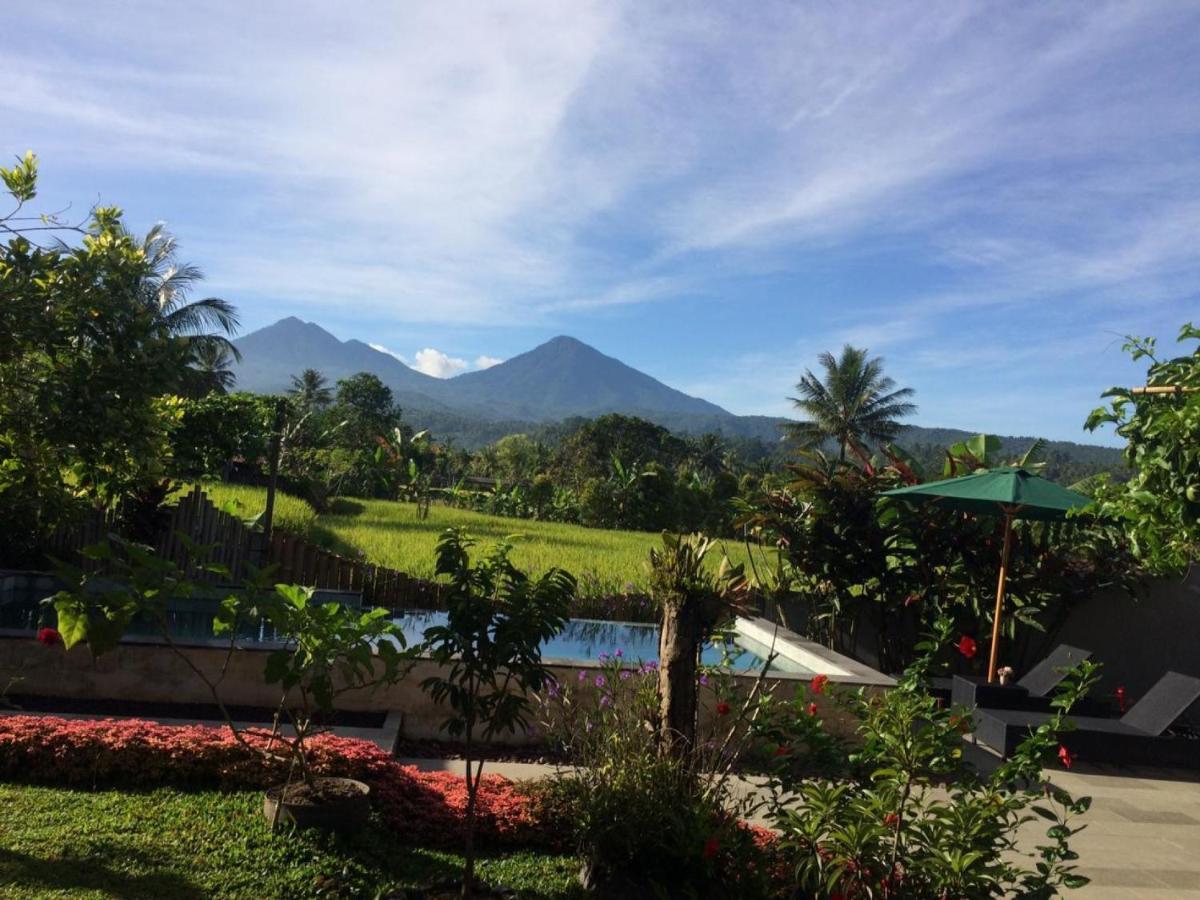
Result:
425,808
908,817
640,818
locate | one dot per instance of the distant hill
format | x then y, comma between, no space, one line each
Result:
560,379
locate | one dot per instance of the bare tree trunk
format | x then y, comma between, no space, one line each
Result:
677,659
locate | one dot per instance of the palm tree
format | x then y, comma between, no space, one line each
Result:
165,289
212,368
855,402
311,389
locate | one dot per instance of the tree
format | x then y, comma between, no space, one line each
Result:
1160,504
365,403
166,285
489,651
854,403
311,390
84,368
211,369
694,600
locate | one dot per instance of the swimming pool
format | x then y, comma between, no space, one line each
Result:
580,641
584,640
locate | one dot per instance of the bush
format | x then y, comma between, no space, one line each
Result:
907,817
638,817
424,808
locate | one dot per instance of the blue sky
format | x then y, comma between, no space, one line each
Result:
988,195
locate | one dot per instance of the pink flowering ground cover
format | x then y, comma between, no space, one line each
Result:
425,808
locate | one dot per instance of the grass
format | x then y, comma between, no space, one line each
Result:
390,534
167,843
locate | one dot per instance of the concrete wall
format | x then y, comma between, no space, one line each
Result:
1139,639
151,672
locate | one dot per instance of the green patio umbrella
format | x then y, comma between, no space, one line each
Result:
1012,492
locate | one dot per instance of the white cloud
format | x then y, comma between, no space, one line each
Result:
383,349
438,364
486,362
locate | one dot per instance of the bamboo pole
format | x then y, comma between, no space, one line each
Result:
1164,389
1000,583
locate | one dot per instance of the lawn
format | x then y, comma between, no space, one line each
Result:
167,843
390,534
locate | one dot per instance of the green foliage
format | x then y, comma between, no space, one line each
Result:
187,845
327,649
908,817
1159,506
489,650
215,429
665,823
98,335
859,560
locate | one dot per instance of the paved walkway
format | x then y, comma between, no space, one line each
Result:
1142,838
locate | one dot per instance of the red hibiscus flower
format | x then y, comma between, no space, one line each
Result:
818,684
967,646
711,847
811,709
1120,692
891,820
50,637
722,708
1065,756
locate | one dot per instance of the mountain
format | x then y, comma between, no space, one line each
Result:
565,377
560,379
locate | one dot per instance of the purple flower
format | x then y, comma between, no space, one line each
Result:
618,653
582,675
552,690
606,700
601,681
603,657
625,673
704,680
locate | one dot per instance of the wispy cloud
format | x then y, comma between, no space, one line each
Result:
536,164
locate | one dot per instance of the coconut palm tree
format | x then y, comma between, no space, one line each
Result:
853,403
311,389
212,366
207,323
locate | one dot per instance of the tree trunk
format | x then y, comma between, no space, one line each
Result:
677,653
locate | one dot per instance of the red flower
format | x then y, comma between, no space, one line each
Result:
50,637
967,646
711,847
1065,756
722,708
891,820
1121,697
782,750
818,683
811,709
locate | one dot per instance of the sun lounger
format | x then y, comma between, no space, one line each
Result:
1032,692
1139,737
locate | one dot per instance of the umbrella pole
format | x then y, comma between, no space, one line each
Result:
1008,520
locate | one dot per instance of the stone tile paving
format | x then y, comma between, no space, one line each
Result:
1142,838
1143,831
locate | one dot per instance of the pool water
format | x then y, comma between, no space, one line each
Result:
584,640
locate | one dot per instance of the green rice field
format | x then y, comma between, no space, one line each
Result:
390,534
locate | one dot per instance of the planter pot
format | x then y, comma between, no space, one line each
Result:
336,804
